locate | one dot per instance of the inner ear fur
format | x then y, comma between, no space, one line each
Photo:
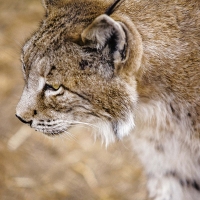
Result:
122,38
103,32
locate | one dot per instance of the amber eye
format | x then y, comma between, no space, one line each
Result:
53,87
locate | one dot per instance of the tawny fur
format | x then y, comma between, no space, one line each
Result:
135,72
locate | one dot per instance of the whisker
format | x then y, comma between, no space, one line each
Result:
63,122
69,135
84,123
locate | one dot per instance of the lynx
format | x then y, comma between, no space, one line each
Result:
129,67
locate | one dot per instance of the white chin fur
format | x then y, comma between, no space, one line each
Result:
107,133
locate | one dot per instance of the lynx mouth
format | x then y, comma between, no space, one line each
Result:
51,128
50,132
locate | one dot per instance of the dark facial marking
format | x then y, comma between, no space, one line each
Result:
80,95
35,112
83,64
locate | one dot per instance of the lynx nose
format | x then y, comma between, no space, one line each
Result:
22,120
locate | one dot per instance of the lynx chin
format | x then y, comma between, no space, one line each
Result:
129,67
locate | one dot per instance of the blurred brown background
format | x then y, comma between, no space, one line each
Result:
34,167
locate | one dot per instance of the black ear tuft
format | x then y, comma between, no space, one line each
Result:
112,8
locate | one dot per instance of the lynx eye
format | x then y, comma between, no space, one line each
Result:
53,87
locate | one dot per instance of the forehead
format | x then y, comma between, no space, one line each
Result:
39,46
51,39
50,53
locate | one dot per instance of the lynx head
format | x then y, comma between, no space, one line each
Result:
76,69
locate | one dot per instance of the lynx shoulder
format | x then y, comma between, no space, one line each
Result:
130,67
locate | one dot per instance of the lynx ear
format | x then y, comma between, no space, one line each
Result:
106,32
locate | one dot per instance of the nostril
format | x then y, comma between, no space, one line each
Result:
24,121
